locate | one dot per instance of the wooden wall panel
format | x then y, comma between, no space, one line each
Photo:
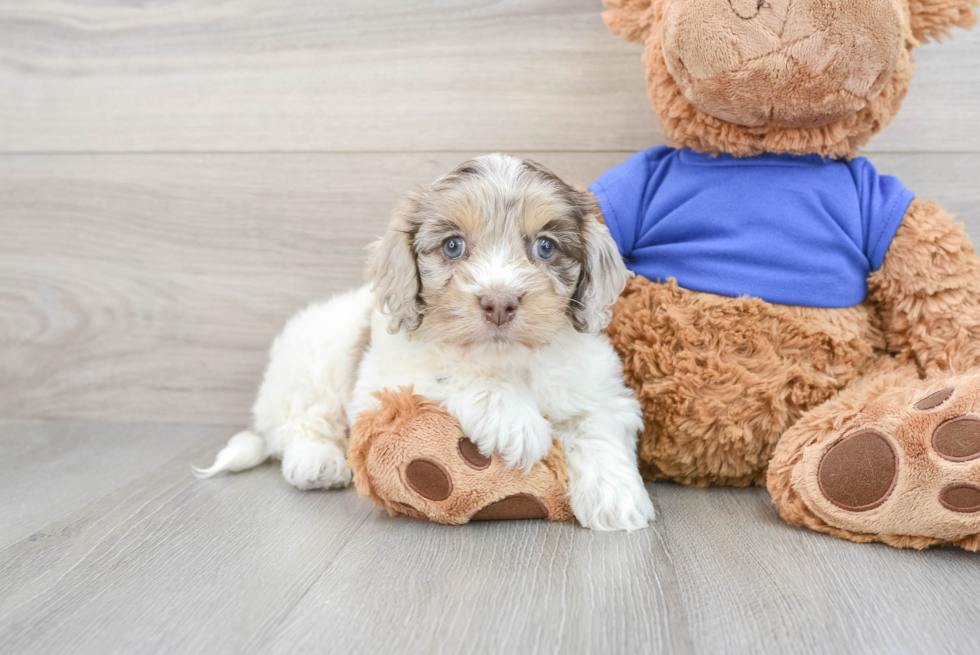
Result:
177,177
367,76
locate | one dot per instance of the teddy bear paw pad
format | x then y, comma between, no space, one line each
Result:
934,400
859,472
961,497
428,479
958,439
472,455
517,506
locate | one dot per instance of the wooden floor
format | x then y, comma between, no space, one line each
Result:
177,177
109,545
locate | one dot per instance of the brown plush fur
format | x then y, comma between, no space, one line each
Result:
928,292
406,427
932,19
728,383
684,125
912,517
789,63
721,379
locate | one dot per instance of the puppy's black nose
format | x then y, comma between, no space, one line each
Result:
499,308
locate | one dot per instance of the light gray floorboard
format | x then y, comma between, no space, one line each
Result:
149,287
720,573
748,578
49,471
161,562
164,562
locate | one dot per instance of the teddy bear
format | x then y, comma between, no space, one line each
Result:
797,320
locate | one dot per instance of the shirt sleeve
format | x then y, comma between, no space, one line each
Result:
884,201
621,193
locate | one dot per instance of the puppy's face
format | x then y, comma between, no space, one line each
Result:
500,251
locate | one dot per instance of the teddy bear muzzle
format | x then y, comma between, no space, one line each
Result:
804,63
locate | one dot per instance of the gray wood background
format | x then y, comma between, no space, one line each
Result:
178,176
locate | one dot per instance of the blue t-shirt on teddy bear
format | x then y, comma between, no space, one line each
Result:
795,230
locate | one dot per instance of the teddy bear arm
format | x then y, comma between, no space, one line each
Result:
410,457
928,291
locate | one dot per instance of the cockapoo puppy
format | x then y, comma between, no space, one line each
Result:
489,291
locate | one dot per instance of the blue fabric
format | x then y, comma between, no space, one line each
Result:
795,230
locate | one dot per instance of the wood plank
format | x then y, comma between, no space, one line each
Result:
168,563
750,583
293,75
416,75
503,587
50,470
149,287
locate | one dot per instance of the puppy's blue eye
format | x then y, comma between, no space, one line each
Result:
544,249
454,248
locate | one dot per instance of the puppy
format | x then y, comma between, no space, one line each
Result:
489,291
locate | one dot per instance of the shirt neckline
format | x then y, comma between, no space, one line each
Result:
696,158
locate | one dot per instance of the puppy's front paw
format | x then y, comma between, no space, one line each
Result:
605,503
515,430
521,441
315,465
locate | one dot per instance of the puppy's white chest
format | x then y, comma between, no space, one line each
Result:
434,370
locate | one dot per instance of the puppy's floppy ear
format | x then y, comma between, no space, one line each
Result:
630,19
932,19
393,270
603,275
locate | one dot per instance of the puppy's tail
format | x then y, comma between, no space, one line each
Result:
243,451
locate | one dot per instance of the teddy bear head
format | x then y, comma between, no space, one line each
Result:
793,76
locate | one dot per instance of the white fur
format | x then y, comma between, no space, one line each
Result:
500,395
243,451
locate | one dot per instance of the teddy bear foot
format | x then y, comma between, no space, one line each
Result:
410,456
905,469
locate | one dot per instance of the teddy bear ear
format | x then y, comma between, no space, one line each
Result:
933,19
630,19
